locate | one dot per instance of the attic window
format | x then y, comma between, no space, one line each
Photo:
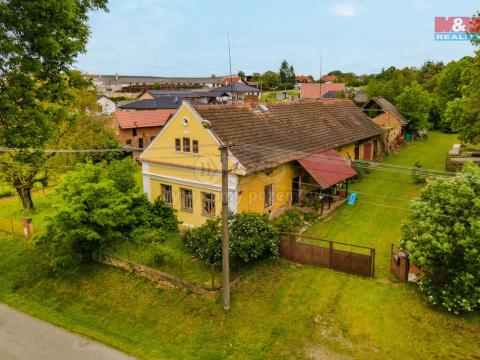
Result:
185,121
195,146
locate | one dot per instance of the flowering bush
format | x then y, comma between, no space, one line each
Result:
442,236
252,237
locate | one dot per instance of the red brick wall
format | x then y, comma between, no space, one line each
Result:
145,133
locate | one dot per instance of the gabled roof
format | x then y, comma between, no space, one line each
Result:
386,105
283,132
139,119
317,91
161,102
236,87
327,168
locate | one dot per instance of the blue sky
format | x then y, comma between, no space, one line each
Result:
189,37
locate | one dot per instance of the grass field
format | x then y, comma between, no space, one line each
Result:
279,310
383,199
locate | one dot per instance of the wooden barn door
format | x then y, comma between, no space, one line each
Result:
367,151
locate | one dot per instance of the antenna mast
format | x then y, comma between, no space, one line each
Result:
230,65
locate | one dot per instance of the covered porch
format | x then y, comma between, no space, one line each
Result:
324,182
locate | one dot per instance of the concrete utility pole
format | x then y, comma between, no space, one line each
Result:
225,242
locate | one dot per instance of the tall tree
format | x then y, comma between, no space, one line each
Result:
287,73
39,41
442,236
415,103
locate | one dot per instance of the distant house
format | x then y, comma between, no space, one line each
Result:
384,114
319,90
302,79
114,84
237,91
328,78
226,80
203,96
107,105
136,130
282,154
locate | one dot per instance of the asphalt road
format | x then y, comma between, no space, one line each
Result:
23,337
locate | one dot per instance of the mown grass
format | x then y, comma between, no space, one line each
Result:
279,310
383,200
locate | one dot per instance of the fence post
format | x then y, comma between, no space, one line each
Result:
213,275
128,251
181,265
331,254
11,222
372,253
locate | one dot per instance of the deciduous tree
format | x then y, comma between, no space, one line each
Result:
39,40
442,236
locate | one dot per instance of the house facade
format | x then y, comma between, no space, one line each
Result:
384,114
137,130
107,105
280,156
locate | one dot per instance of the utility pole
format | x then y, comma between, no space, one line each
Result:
225,242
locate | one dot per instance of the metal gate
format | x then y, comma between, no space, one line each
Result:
348,258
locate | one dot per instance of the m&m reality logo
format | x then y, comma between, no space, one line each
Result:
456,28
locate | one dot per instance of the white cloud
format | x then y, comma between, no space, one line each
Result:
346,9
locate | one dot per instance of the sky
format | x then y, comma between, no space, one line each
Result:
190,37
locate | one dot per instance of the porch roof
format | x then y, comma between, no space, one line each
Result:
327,168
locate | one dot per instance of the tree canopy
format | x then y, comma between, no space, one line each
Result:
442,236
415,103
39,41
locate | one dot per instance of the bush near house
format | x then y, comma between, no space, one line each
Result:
252,238
96,206
442,236
289,222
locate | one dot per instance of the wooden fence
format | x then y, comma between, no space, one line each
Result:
348,258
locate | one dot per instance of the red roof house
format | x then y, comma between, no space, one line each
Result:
137,129
318,91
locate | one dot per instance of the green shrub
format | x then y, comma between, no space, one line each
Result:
252,237
442,236
147,236
418,175
163,254
164,216
205,241
289,222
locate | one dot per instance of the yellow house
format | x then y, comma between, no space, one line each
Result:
279,155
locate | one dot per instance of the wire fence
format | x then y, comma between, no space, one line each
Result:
175,261
11,226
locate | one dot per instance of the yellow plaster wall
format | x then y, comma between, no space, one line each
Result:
251,190
196,216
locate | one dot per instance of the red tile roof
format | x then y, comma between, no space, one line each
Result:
327,168
144,118
328,78
317,91
303,79
227,79
264,138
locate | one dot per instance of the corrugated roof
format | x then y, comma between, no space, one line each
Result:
139,119
327,168
287,131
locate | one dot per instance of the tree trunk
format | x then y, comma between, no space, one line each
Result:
26,197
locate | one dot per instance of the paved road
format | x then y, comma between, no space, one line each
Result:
23,337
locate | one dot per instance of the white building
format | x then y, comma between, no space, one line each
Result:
108,105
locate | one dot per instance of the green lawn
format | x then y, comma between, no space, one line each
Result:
383,197
279,310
